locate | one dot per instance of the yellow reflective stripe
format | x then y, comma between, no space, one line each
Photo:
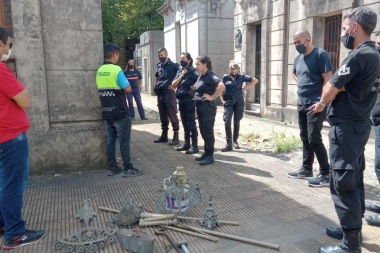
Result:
106,76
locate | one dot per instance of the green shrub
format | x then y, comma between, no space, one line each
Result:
284,142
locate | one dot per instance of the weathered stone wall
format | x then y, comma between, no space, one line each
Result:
58,48
200,27
150,42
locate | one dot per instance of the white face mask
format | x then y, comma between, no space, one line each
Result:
5,57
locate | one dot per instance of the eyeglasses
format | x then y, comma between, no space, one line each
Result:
10,45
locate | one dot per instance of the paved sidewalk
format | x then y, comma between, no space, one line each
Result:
247,186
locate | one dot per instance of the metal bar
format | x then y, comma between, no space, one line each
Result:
207,237
181,225
162,231
142,223
242,239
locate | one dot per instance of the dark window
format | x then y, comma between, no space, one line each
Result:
11,63
332,39
258,63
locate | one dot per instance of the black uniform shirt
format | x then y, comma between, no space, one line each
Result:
165,74
376,108
187,80
309,70
234,87
206,84
358,74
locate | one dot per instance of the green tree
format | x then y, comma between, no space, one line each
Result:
130,18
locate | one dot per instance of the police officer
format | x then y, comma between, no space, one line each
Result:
207,88
353,91
184,82
135,79
233,102
375,206
166,100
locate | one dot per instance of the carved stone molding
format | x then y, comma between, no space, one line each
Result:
165,8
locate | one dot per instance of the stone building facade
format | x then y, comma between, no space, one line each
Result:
267,51
200,27
147,58
58,47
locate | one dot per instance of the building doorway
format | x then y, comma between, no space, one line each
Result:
253,67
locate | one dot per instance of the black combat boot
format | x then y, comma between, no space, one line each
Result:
175,140
209,159
201,157
349,244
337,233
228,146
194,148
163,138
373,220
236,135
185,146
236,145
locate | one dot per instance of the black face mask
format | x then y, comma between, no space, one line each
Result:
184,64
162,59
131,67
348,40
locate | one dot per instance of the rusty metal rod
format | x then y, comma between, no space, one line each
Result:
168,217
106,209
207,237
163,232
241,239
156,223
181,225
150,216
224,222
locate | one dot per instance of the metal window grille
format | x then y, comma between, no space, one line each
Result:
332,39
6,16
258,62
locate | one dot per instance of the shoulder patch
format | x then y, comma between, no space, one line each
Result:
215,78
344,70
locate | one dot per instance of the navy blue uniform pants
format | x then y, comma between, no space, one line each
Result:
310,132
167,107
347,143
235,108
187,112
377,152
206,117
135,93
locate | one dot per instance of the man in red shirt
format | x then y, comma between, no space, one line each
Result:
14,154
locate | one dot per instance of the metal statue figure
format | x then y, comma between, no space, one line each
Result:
210,218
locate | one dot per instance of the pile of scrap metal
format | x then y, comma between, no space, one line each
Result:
88,239
177,199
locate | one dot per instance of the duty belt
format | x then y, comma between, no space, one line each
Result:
183,97
232,97
203,103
